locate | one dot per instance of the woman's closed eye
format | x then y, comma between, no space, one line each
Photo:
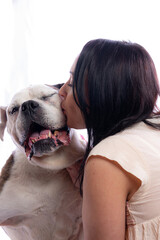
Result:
70,84
70,81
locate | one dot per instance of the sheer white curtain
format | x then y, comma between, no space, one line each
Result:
39,39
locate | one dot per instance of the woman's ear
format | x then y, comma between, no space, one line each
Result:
3,121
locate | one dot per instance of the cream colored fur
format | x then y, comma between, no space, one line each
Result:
38,200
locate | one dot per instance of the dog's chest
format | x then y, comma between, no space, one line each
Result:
46,200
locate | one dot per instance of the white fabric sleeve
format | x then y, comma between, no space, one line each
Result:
119,151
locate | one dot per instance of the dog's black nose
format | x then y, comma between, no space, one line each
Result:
29,105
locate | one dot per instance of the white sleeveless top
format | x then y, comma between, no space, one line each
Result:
137,150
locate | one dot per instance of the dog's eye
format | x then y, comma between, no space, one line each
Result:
48,96
15,109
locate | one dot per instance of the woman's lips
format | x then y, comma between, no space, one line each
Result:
63,110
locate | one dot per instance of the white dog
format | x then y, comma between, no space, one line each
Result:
38,200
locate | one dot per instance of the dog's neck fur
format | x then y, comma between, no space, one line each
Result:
27,211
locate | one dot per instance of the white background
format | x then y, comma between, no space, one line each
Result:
39,40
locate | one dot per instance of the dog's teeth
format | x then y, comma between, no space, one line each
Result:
49,134
33,141
56,133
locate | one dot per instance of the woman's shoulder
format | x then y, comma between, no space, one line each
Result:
134,149
131,138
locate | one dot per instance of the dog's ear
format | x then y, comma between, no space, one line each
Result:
57,86
3,121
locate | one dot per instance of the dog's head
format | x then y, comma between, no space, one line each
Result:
35,121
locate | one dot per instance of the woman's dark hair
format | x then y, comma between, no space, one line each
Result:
115,85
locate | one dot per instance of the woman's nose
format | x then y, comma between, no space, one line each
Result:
61,97
62,92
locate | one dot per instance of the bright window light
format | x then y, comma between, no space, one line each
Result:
40,40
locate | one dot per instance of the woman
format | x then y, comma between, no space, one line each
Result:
112,91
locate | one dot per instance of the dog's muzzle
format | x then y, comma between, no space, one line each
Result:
40,138
29,106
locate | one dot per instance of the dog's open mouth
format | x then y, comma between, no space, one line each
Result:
41,140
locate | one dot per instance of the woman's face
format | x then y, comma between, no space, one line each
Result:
70,109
